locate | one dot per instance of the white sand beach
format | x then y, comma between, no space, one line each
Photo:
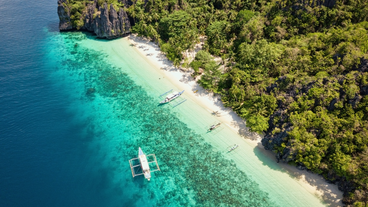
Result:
312,183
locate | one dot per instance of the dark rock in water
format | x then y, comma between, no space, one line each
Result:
90,91
102,20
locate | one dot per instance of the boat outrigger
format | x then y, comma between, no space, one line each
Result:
233,148
144,165
214,127
171,97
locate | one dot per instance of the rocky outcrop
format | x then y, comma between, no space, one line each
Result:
105,21
64,16
279,139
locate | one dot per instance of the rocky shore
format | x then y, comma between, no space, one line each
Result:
280,124
111,21
105,21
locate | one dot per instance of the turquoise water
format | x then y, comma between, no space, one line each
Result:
123,116
75,109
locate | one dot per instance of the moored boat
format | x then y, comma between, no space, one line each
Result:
233,148
214,127
144,164
143,167
171,97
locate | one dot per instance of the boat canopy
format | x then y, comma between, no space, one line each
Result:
143,165
143,160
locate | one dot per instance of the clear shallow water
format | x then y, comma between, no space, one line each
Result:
121,116
73,113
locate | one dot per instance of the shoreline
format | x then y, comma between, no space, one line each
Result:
313,183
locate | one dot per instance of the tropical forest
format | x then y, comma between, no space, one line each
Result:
295,70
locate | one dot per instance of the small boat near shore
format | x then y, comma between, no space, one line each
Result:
171,97
233,148
214,126
143,166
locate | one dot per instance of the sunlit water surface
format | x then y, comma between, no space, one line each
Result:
73,114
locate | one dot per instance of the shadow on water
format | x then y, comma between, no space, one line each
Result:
267,158
140,181
92,36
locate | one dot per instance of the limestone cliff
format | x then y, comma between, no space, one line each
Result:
64,16
277,136
105,21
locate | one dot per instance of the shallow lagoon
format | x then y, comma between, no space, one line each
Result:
123,116
119,95
73,115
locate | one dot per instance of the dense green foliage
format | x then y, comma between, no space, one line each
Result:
210,68
293,68
78,9
301,60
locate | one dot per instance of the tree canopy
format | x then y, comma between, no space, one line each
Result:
295,70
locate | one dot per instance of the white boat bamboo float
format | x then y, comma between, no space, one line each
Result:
214,127
143,164
171,97
180,102
166,92
233,148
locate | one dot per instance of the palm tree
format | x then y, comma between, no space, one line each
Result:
259,109
149,18
176,62
236,77
155,16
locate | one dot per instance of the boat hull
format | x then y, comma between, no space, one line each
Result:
217,126
171,97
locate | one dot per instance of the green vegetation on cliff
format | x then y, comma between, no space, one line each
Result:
294,70
297,70
78,9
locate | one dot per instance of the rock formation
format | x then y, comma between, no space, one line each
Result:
64,16
276,137
105,21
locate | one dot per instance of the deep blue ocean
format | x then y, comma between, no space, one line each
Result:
70,121
72,114
39,141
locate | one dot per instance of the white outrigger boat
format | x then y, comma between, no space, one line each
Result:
171,97
144,165
214,127
233,148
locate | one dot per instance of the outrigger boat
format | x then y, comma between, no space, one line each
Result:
171,97
234,147
214,126
143,164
